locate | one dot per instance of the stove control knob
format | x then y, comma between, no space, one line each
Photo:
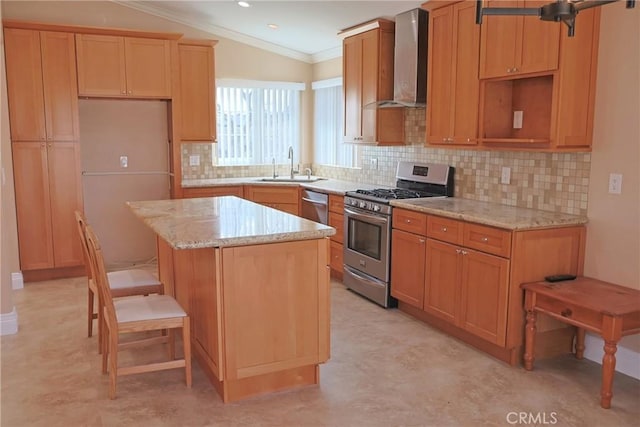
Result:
354,202
363,205
376,208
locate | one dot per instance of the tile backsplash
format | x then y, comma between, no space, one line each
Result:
556,182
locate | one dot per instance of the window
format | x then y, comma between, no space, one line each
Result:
328,126
257,121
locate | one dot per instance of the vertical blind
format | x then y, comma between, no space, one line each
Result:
328,146
257,121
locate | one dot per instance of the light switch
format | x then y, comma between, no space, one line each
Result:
124,161
517,119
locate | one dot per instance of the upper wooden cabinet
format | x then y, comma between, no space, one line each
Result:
513,45
452,80
115,66
41,85
556,107
197,91
368,78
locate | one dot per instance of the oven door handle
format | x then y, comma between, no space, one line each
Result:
370,218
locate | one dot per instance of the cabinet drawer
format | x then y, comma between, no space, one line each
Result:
336,204
336,256
235,190
284,207
413,222
487,239
576,315
337,221
445,229
272,194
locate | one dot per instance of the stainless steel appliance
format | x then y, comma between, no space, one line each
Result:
367,224
315,206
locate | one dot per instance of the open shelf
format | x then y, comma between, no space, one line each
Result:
501,98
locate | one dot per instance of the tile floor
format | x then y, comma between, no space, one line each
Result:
386,369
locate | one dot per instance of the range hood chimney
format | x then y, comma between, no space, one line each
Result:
409,60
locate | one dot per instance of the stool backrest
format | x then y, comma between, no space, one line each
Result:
99,274
81,221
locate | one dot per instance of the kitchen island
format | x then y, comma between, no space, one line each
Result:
255,282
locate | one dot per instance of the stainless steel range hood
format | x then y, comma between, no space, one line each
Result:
410,61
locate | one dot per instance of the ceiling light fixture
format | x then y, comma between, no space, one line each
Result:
272,26
243,4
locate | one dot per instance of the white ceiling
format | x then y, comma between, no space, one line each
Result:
307,30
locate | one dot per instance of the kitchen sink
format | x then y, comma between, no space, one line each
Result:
299,178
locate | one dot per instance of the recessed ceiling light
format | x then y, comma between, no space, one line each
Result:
243,4
272,26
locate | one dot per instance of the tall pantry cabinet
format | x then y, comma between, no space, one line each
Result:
43,115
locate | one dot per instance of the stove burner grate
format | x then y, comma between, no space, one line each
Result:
394,193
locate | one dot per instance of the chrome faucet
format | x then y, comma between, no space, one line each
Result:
293,172
308,172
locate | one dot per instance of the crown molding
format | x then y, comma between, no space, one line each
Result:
214,29
325,55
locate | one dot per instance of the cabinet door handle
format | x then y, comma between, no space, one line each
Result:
124,92
485,239
408,221
458,251
42,144
566,312
421,241
464,252
444,229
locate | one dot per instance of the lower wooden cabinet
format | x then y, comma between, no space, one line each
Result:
407,275
464,278
336,261
48,191
283,198
336,220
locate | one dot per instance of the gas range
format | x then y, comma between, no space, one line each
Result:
414,180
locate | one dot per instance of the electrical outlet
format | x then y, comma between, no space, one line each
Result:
194,160
615,183
517,119
505,175
374,163
124,161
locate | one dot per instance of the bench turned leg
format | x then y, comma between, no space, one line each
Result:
579,343
529,341
608,367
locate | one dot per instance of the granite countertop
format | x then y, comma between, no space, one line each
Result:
223,221
328,186
493,214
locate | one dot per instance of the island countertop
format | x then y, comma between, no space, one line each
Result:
223,221
492,214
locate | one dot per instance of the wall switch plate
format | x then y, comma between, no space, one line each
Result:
374,163
194,160
517,119
124,161
615,183
505,175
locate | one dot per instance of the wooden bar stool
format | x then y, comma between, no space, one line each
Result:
122,283
136,314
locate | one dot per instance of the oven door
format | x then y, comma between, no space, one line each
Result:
367,242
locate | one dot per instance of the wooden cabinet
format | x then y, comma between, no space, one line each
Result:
368,78
115,66
336,220
41,85
48,191
408,252
513,45
556,105
286,199
225,190
465,277
197,91
452,80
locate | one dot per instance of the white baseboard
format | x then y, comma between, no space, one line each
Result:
17,281
9,323
627,361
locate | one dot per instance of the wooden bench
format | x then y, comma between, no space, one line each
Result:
609,310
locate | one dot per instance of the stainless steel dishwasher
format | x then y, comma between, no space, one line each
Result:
315,206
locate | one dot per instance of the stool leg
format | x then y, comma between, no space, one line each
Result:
579,343
608,367
186,343
90,312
